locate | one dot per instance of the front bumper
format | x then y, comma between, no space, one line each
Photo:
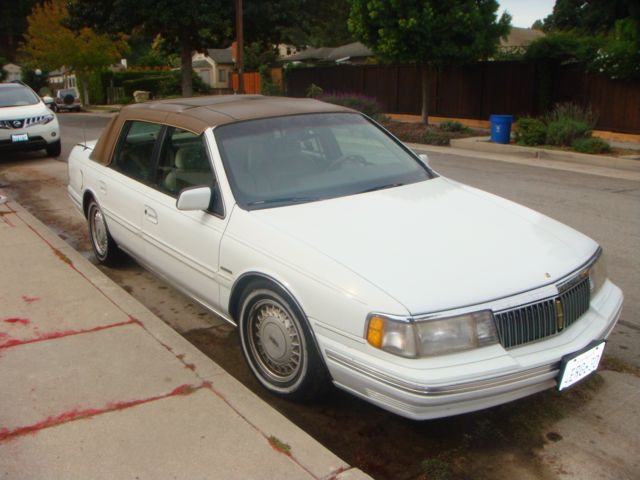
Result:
449,385
39,137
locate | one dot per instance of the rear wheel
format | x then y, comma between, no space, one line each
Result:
277,344
54,149
104,247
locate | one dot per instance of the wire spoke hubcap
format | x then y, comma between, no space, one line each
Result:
275,341
100,239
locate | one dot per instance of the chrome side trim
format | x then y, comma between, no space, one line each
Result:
441,390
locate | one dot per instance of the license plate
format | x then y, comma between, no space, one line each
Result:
579,365
21,137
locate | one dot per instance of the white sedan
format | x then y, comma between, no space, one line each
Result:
343,257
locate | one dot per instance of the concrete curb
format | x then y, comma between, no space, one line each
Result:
306,451
482,144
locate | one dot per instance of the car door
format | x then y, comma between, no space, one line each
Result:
122,188
183,245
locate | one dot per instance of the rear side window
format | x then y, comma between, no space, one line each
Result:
134,154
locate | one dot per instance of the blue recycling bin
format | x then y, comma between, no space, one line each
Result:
501,128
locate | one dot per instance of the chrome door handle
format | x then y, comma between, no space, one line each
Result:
150,214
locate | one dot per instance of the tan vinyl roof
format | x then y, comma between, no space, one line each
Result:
199,113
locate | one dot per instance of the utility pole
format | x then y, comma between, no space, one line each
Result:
240,44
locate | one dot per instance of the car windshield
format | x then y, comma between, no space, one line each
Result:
285,160
17,96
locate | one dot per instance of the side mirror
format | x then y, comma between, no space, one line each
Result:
425,159
194,198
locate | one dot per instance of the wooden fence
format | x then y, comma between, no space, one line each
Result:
479,90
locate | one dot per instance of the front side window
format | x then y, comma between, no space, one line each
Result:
285,160
183,162
134,154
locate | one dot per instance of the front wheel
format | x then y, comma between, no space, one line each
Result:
278,346
104,247
54,149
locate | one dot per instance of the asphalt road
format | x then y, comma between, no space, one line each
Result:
602,207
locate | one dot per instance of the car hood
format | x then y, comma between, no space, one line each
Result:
437,244
23,111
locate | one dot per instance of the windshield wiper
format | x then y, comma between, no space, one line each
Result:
382,187
283,200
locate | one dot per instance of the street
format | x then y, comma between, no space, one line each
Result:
509,436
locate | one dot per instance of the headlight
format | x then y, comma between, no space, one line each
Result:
597,274
410,338
43,120
47,118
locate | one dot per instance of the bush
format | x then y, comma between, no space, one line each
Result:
314,91
572,111
565,132
162,84
531,131
567,122
367,105
149,84
433,137
453,126
591,145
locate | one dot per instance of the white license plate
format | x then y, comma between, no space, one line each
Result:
21,137
579,365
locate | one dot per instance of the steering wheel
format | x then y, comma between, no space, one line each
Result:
348,158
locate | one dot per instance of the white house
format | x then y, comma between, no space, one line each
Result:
214,67
14,72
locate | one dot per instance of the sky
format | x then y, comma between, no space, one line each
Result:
525,12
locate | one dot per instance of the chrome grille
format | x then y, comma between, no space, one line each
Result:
522,325
21,122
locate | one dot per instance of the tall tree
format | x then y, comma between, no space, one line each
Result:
49,44
188,25
321,23
590,17
429,32
13,23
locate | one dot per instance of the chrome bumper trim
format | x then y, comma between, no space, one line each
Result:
441,390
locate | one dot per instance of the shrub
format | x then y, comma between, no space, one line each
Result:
567,122
565,132
314,91
433,137
453,126
591,145
367,105
530,131
572,111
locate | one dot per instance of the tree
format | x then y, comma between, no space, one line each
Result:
13,23
321,23
590,17
428,32
49,44
186,26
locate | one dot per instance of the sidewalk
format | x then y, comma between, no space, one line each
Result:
97,387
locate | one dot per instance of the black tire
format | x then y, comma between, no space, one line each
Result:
289,365
54,149
104,247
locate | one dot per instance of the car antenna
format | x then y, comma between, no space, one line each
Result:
84,134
